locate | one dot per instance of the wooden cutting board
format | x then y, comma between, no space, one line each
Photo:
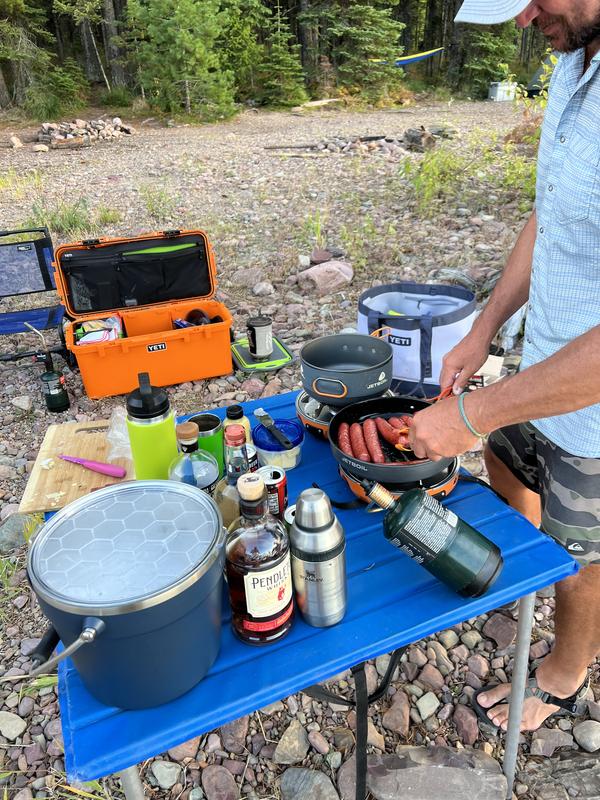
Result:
54,483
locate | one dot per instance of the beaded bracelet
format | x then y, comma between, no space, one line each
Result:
465,419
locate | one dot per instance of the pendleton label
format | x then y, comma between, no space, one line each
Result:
269,591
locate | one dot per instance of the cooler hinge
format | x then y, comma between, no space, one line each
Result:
171,234
90,242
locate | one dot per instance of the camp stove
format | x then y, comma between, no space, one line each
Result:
316,416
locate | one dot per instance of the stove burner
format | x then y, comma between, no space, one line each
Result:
439,485
316,416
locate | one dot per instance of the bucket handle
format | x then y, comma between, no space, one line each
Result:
92,627
381,332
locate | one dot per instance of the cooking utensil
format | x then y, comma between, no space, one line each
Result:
405,467
346,368
113,470
136,568
266,420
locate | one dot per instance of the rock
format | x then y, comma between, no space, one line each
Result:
539,649
546,740
293,745
213,743
594,709
304,262
23,794
12,532
465,722
320,256
575,773
319,742
382,663
470,639
15,142
478,665
253,387
306,784
417,656
40,148
218,783
196,794
263,289
448,638
501,629
418,139
397,717
427,705
248,277
326,278
11,726
272,708
166,773
374,738
26,706
186,750
587,735
427,773
343,738
28,646
431,678
273,387
233,735
462,651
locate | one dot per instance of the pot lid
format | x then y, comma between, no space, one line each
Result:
125,545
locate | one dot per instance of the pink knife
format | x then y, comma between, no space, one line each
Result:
97,466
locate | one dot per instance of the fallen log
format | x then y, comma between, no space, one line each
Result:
74,143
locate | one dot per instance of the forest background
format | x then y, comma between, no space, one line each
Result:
208,58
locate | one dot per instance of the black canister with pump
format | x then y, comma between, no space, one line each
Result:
435,537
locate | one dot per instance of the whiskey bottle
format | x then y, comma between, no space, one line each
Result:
258,568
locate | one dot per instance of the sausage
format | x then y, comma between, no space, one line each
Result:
357,440
372,440
386,431
344,439
407,420
396,422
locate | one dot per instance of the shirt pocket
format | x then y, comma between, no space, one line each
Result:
579,180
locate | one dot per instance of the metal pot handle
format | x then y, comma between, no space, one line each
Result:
92,627
315,388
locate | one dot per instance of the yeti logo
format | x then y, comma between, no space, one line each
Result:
153,348
401,341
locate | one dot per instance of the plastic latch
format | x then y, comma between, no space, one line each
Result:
90,242
171,234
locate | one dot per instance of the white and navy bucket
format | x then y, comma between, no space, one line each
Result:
425,322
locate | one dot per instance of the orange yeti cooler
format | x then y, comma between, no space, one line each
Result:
150,282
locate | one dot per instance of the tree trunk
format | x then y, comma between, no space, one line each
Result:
308,35
114,57
92,39
408,12
434,33
91,68
4,93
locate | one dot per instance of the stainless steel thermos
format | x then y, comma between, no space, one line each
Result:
318,550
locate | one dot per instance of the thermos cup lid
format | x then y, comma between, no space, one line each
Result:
313,510
259,322
147,401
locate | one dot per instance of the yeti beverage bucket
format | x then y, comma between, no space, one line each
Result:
130,577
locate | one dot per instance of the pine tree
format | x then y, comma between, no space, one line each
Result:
241,52
282,79
176,55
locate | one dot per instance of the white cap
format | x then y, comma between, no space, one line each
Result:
490,12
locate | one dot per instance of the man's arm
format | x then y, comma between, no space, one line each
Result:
511,291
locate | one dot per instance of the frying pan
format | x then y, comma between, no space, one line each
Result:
405,468
346,367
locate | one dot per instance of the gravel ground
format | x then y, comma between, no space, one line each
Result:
262,209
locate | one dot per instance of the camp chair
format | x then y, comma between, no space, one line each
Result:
26,269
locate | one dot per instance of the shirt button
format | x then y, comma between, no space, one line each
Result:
541,228
528,340
562,140
550,188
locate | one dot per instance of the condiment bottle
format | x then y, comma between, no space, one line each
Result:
236,464
187,437
257,560
235,416
151,428
433,536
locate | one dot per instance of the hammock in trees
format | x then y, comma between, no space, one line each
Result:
403,61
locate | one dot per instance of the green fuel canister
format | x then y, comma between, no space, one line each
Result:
439,540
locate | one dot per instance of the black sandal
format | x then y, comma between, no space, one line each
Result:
572,705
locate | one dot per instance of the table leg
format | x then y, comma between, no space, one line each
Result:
132,783
519,680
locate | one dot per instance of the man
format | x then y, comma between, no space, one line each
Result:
543,453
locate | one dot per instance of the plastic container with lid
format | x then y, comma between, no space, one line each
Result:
235,416
270,451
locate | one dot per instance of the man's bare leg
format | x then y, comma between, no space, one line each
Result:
576,620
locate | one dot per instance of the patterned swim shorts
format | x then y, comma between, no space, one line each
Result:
569,487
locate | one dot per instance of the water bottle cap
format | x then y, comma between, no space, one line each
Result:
147,401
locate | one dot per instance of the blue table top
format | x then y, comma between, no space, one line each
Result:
392,602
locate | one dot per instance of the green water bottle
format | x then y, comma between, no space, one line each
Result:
433,536
151,426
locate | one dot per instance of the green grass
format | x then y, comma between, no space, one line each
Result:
62,217
159,203
107,216
18,185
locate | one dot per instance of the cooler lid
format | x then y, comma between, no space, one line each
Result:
107,275
125,547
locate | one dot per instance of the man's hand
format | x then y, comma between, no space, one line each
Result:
463,361
439,432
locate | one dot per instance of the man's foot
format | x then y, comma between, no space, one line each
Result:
537,706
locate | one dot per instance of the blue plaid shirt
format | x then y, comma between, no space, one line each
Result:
564,297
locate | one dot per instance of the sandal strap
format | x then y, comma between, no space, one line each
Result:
569,704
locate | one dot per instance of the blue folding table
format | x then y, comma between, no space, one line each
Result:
392,602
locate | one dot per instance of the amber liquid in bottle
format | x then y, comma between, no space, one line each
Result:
258,570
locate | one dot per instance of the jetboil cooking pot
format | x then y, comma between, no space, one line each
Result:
130,576
346,367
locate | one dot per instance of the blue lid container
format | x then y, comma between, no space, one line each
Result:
266,441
